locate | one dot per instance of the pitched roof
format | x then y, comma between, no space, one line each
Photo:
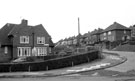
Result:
132,27
12,29
97,31
4,33
18,28
40,27
51,42
116,26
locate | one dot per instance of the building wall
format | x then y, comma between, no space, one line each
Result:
6,57
38,32
101,37
115,35
120,34
111,37
133,32
93,39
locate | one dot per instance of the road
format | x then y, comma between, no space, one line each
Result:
126,66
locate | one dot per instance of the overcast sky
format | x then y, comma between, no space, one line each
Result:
59,17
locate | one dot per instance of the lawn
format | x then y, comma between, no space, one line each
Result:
125,47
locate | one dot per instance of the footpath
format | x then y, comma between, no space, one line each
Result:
109,60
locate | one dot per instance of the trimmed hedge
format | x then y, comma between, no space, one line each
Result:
56,63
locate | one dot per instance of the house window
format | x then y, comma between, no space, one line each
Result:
6,50
41,51
40,40
75,41
109,33
104,38
104,34
50,50
24,39
24,51
124,31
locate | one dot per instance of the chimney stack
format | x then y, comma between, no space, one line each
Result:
24,22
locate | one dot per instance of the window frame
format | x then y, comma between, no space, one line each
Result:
41,51
40,40
104,34
125,31
24,51
109,32
6,50
24,39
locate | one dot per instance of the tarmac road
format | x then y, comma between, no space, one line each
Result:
71,78
126,66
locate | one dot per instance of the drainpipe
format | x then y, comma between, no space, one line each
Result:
33,40
33,47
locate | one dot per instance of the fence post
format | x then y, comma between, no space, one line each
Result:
72,63
10,68
88,59
47,68
29,68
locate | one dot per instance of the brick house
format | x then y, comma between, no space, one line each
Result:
95,36
114,34
132,31
22,40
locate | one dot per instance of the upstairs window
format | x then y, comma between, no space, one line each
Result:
40,40
124,31
104,34
24,39
104,38
109,33
6,50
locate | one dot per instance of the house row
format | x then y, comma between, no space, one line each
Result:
68,41
23,40
108,38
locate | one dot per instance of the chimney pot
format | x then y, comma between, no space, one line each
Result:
24,22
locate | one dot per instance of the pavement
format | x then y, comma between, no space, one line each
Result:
109,60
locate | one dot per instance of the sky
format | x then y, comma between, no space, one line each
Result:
60,17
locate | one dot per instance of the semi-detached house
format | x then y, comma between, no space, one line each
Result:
22,40
114,34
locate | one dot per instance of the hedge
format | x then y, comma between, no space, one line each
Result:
56,63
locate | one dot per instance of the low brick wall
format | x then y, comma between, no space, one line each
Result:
56,63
